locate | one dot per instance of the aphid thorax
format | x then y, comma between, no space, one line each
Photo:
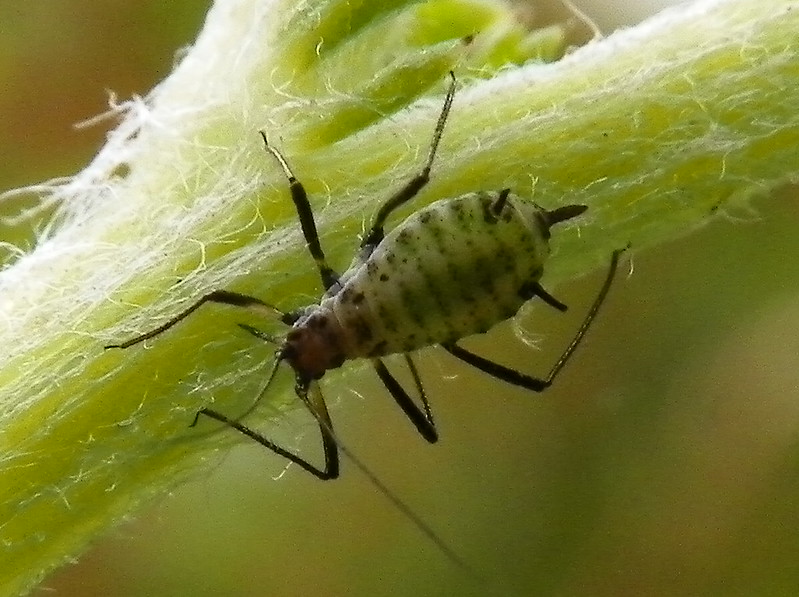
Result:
314,344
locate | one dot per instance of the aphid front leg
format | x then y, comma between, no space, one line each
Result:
312,398
413,186
224,297
260,334
422,418
305,214
517,378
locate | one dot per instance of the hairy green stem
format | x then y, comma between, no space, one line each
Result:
656,129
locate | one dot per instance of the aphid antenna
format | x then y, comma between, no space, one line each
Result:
266,386
272,373
305,214
396,501
278,156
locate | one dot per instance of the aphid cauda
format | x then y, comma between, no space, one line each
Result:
452,269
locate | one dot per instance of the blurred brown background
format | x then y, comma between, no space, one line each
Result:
664,462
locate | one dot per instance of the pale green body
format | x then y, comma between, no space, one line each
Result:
450,270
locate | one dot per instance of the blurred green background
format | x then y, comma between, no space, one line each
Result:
663,462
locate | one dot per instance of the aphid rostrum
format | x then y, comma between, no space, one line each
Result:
450,270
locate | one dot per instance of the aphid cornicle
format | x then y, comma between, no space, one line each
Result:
450,270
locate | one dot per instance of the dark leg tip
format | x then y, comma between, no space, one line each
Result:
196,418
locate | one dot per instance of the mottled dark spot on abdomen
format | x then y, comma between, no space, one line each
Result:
363,332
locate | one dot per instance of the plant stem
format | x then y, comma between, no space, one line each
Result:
655,128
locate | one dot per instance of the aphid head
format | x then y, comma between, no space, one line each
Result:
310,352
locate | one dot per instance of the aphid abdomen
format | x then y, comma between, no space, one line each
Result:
450,270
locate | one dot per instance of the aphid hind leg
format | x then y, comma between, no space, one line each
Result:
316,405
224,297
517,378
422,418
413,186
305,214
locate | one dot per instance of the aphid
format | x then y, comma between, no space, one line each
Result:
452,269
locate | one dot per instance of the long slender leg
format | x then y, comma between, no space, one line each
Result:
409,191
316,405
422,419
305,214
217,296
417,380
512,376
